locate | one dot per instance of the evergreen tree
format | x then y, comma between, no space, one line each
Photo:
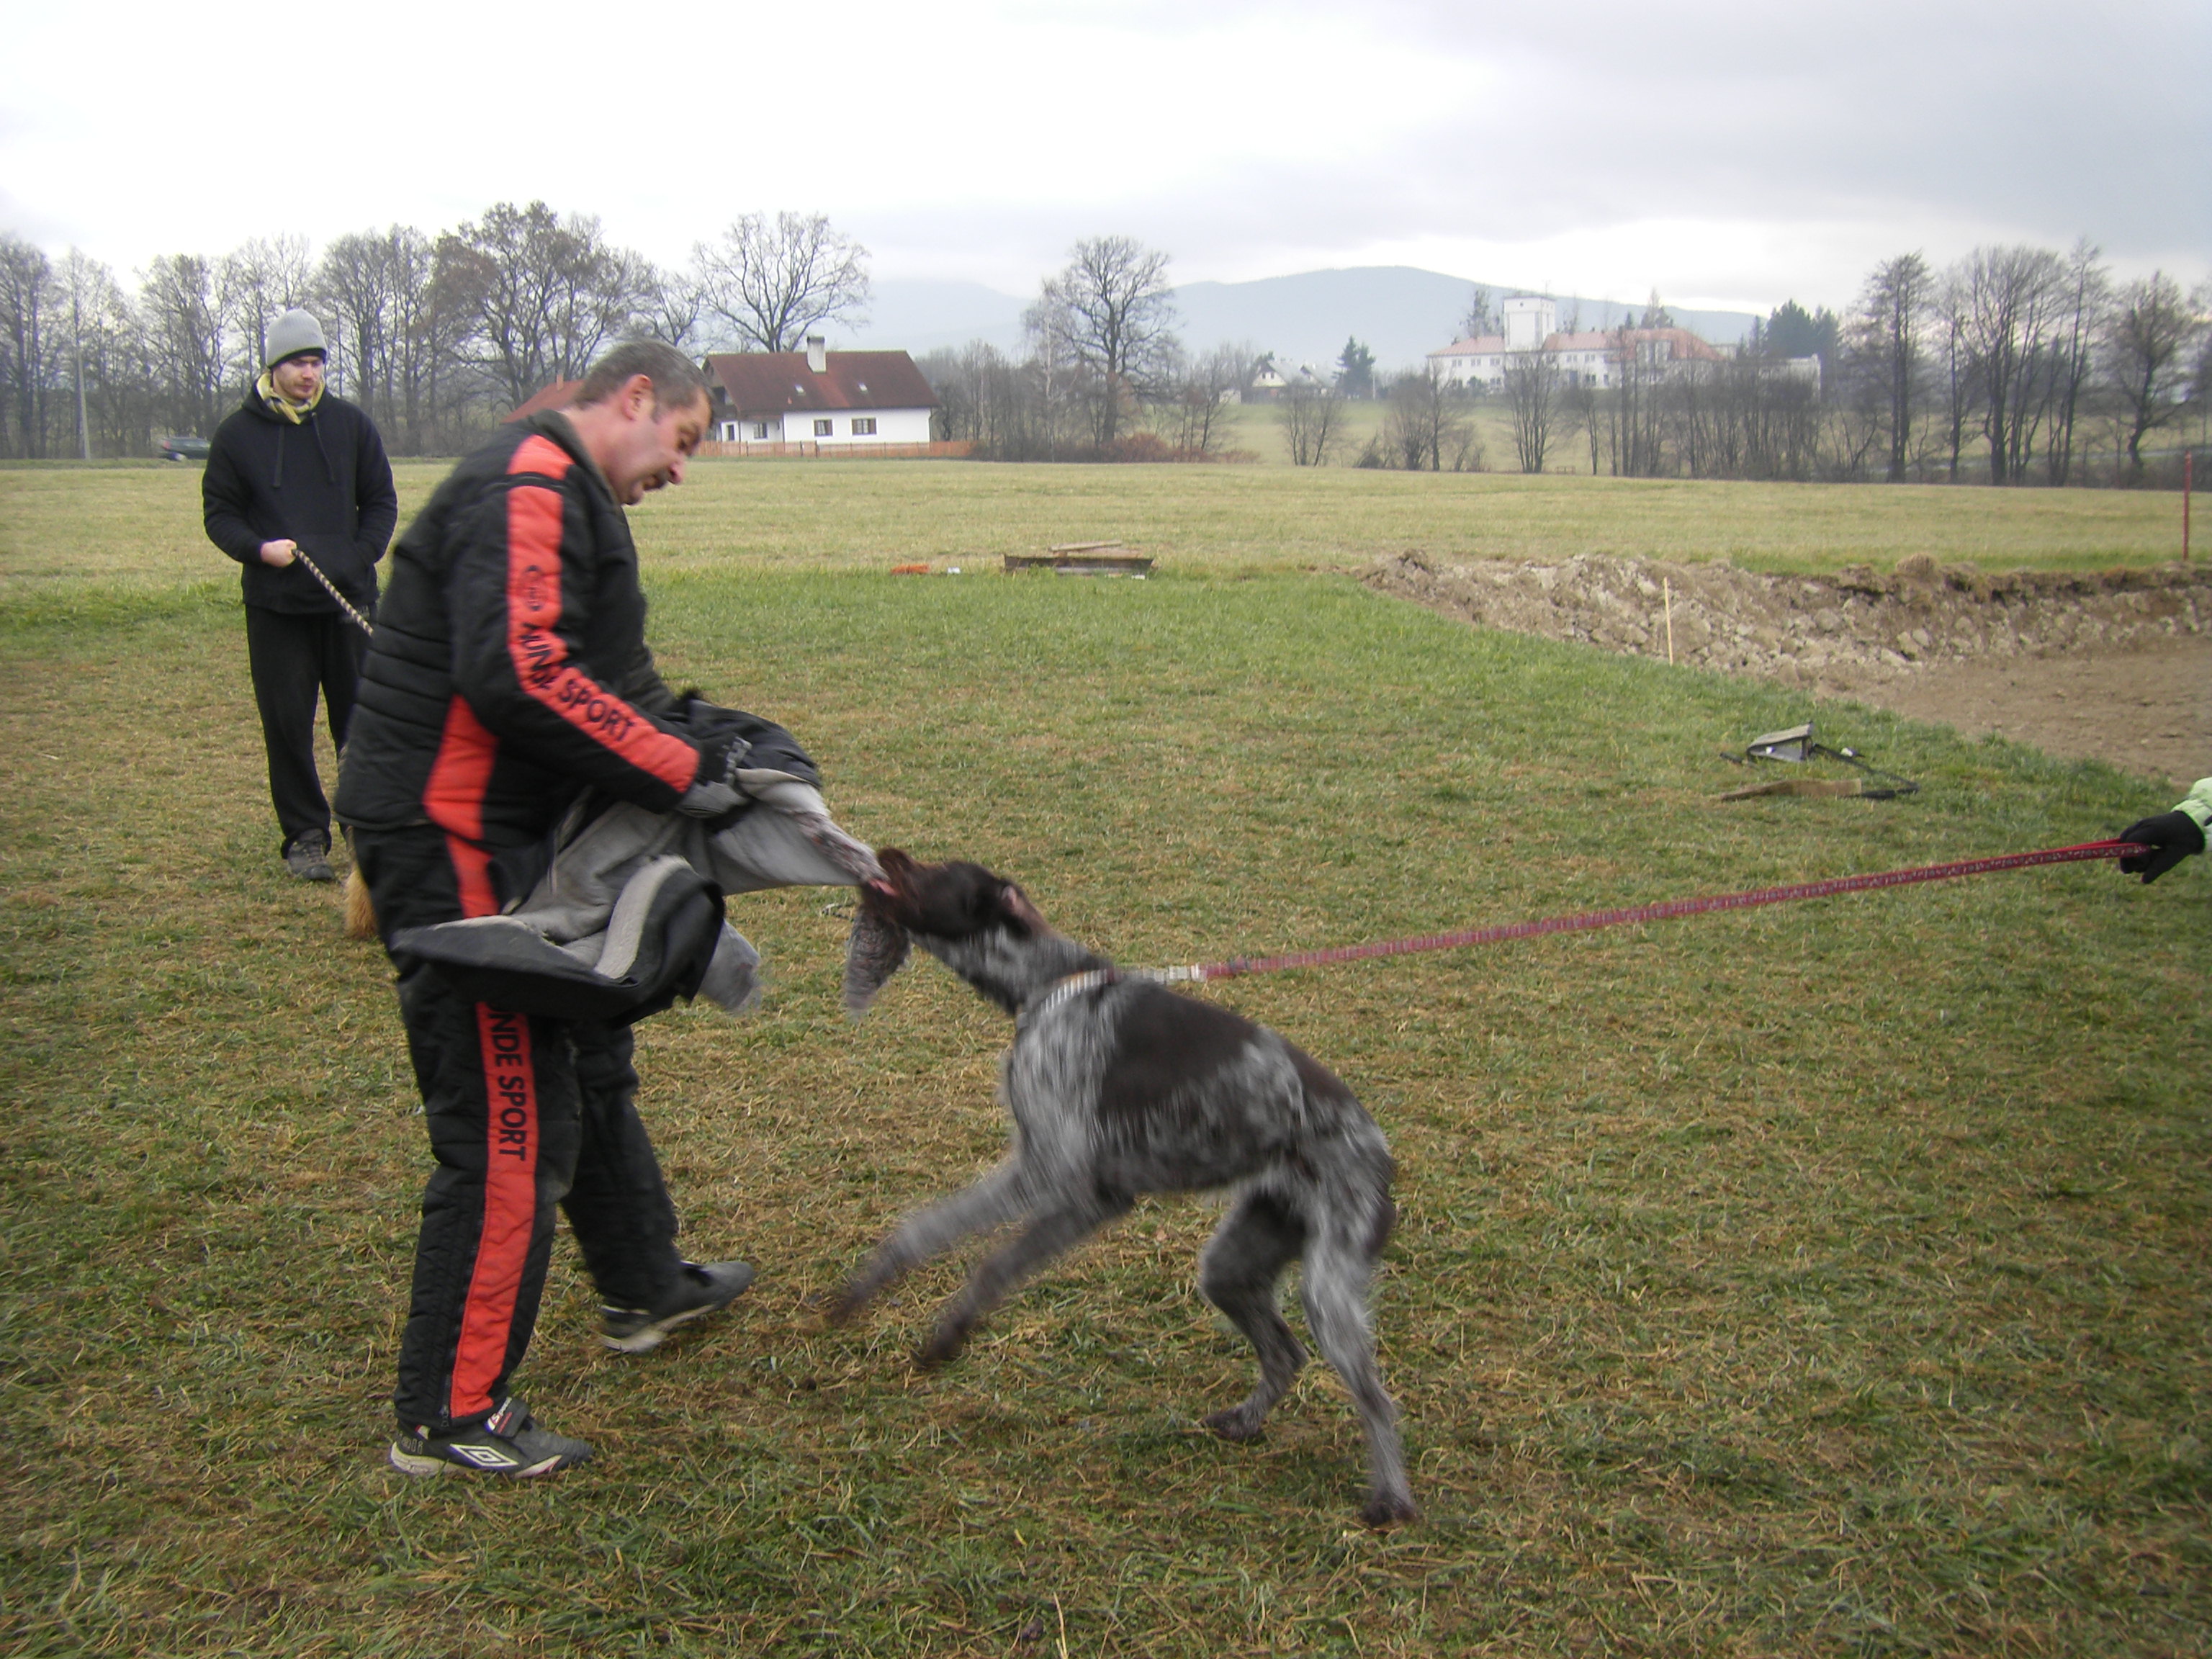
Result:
1355,370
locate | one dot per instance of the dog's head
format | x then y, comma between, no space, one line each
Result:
941,906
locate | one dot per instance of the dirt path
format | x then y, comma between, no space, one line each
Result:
2147,710
2115,667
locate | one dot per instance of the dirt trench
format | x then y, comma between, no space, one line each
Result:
2114,665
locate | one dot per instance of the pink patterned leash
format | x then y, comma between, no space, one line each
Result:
1237,966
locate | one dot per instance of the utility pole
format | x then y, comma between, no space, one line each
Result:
76,351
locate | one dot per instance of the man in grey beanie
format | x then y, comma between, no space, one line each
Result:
298,475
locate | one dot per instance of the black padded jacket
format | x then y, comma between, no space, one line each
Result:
509,671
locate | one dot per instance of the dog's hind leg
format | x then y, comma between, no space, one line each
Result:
1239,1272
995,1199
1337,1271
1050,1232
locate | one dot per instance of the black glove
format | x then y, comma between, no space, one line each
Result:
2171,837
730,741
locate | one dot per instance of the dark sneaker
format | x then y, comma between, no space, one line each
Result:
510,1442
705,1289
309,857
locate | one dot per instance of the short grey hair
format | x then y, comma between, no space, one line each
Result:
677,382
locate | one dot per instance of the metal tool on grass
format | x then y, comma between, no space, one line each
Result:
1797,745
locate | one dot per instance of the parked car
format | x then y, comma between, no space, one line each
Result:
184,449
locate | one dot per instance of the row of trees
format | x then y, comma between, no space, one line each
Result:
2011,366
435,334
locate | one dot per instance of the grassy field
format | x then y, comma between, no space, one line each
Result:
139,530
1826,1279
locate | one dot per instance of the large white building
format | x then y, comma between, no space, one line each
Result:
1588,357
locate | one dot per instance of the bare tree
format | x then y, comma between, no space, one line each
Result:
30,297
1313,422
1110,314
1201,391
355,284
552,292
1535,397
1423,422
256,282
185,336
2085,292
1892,310
770,281
2150,346
2008,296
676,310
1633,428
108,364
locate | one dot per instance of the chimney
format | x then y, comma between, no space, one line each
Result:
817,359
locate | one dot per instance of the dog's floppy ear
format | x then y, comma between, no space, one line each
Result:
1015,904
877,950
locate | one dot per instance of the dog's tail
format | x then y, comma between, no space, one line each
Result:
360,908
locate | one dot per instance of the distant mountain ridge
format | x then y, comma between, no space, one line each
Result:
1399,312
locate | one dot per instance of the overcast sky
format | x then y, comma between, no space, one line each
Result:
1724,153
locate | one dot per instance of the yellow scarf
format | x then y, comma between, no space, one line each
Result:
295,413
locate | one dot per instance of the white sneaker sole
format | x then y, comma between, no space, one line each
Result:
652,1336
417,1467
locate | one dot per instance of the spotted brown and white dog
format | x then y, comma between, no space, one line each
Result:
1118,1087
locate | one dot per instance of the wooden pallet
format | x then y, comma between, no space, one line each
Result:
1083,559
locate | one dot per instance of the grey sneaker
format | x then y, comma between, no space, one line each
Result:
510,1442
309,857
705,1288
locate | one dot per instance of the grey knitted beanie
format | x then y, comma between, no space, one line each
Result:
294,333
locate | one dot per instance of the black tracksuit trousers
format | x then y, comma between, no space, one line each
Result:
294,655
525,1115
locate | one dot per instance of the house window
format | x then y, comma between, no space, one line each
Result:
822,429
863,426
760,429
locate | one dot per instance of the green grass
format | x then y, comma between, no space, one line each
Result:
139,531
1826,1279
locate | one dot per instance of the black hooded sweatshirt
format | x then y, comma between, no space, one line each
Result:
324,484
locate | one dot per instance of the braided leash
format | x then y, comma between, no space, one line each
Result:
1237,966
345,605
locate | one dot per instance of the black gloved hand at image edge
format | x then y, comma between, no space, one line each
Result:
2171,837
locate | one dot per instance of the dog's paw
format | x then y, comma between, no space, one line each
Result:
1239,1422
1388,1509
943,1348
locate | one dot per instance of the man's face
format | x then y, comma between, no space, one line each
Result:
297,379
659,447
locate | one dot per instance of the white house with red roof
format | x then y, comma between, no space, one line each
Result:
1590,357
819,396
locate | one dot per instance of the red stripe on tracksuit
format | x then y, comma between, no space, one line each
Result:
510,1209
540,656
453,799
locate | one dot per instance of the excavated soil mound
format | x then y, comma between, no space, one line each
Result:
2115,665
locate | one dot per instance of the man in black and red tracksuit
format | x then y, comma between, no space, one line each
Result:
299,470
508,674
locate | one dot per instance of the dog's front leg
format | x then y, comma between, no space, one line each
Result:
1049,1233
995,1199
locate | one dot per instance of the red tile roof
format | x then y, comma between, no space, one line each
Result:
555,396
759,384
